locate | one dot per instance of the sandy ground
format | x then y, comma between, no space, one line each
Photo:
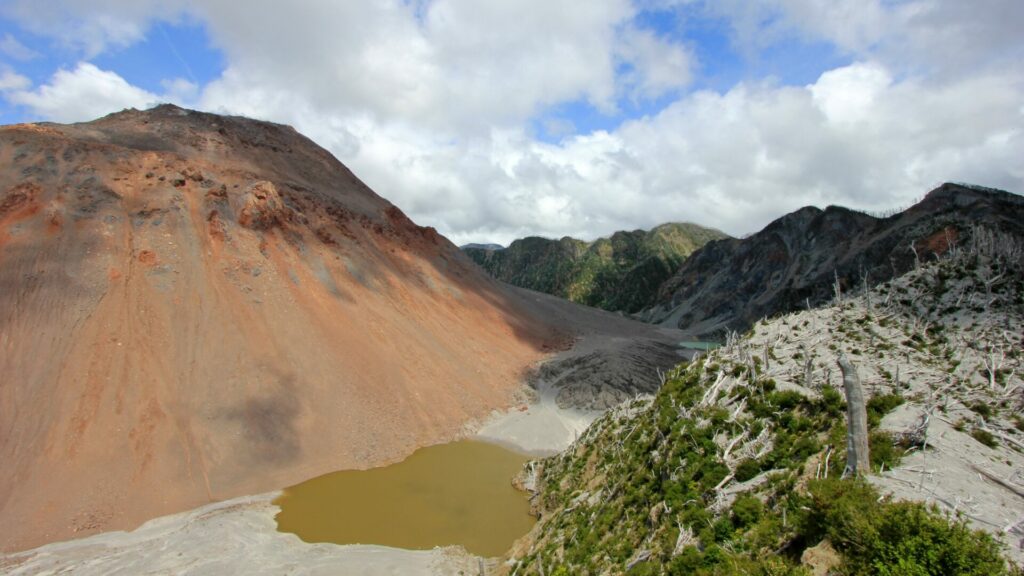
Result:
541,429
961,477
236,536
240,535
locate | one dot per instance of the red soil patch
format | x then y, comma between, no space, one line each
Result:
147,257
941,241
20,199
215,226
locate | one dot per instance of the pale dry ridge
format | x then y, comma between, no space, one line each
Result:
946,336
195,307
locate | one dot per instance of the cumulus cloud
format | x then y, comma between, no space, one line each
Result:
432,103
11,81
89,26
657,66
734,160
83,93
940,37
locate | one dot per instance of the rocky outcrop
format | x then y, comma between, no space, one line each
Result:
798,259
260,207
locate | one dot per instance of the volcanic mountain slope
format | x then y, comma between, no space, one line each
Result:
194,307
622,272
733,466
796,260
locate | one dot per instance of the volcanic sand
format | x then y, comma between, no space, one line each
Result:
196,307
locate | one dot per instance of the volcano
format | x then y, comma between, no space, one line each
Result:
195,307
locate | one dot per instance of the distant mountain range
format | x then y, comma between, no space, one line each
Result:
476,246
706,283
621,273
796,260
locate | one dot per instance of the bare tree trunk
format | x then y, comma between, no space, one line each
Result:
858,460
837,288
808,367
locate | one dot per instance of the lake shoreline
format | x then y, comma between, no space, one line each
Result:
240,535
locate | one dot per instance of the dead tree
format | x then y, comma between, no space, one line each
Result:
837,288
858,460
808,367
993,361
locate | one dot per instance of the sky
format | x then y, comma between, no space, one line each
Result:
493,120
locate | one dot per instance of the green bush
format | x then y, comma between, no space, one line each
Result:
985,437
982,409
883,450
786,400
831,402
747,469
895,538
879,406
746,511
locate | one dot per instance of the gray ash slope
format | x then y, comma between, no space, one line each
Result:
729,284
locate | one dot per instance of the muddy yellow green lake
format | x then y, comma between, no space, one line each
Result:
457,493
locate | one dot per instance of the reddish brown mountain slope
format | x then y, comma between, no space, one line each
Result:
194,307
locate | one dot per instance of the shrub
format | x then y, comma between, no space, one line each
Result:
747,469
985,437
880,405
895,538
883,450
746,511
786,400
982,409
831,402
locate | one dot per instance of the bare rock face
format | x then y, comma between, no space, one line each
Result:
260,207
822,559
730,284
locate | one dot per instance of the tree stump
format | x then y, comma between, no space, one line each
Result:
858,460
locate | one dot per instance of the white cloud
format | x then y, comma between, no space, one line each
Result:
735,160
943,38
458,65
89,26
658,66
179,90
13,48
10,81
80,94
432,102
847,95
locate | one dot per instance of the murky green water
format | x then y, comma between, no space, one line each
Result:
457,493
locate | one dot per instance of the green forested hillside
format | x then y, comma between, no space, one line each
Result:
622,272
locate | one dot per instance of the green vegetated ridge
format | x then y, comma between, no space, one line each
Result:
622,272
734,466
